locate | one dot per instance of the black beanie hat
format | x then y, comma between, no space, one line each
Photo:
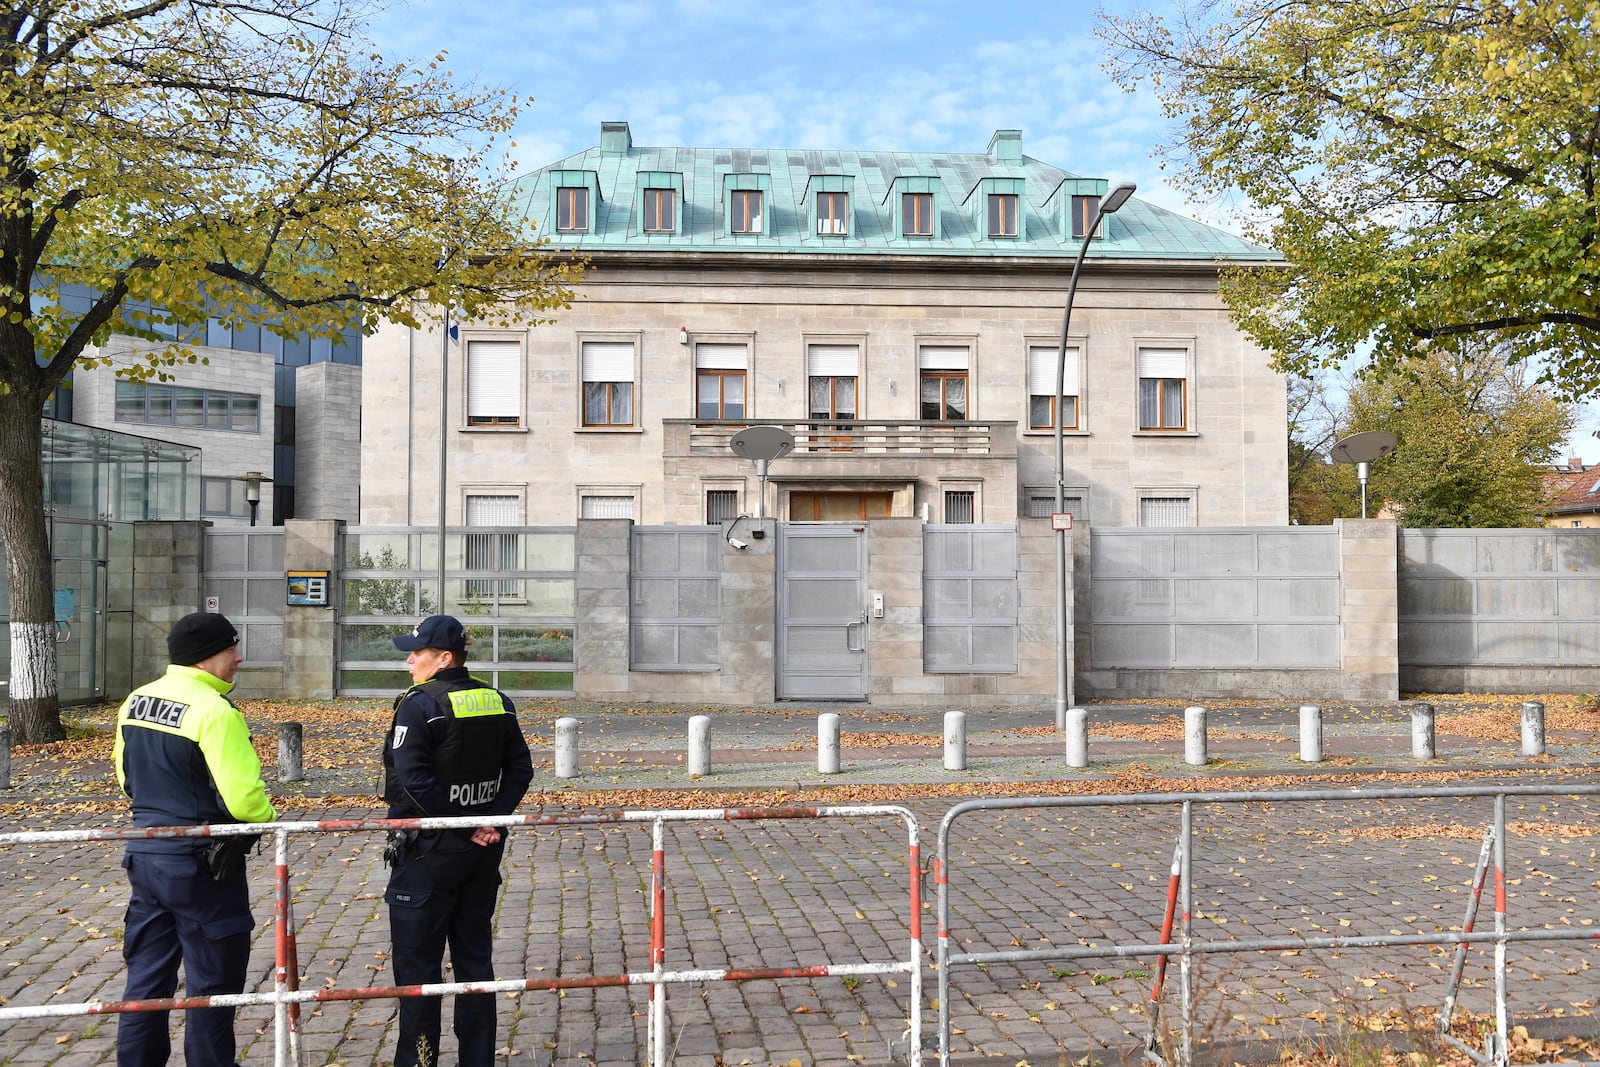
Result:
199,636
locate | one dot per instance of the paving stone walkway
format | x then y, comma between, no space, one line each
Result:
784,893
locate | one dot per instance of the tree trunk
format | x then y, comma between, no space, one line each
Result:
35,692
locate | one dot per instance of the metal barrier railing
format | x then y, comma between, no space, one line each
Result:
286,996
1179,905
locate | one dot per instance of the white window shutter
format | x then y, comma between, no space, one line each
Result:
606,507
493,511
721,357
943,357
1042,371
607,361
1163,363
832,361
494,378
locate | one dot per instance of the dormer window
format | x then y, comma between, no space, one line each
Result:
1004,219
658,204
1084,209
744,200
577,201
747,211
744,212
827,197
660,211
916,214
572,210
833,214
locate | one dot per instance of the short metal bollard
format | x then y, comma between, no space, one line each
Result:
5,757
1422,735
1077,737
955,740
291,739
828,743
566,755
699,745
1194,736
1532,728
1310,733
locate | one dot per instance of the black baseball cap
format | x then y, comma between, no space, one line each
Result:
436,631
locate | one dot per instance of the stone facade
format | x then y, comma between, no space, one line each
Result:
1230,464
327,458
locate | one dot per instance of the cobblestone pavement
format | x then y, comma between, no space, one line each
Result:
786,893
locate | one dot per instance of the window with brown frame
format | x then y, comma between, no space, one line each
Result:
719,394
944,395
608,374
833,214
660,210
1163,388
744,211
1084,209
833,397
916,214
1042,384
1003,215
572,209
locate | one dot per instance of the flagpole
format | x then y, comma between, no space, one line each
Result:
444,439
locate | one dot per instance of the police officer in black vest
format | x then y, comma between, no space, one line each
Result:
454,749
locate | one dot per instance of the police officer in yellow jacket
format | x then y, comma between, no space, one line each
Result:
454,749
183,757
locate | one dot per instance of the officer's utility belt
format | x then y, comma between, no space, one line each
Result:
400,845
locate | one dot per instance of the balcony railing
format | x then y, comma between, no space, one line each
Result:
845,437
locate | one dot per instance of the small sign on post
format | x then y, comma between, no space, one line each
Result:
308,589
1061,520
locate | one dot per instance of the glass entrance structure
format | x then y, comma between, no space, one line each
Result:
97,483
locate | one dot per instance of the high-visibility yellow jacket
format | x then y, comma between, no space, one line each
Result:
183,757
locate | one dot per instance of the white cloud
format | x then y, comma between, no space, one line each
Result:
884,75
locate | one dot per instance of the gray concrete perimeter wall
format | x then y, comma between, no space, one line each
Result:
166,586
1369,645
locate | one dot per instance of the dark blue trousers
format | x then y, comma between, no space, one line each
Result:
177,913
444,894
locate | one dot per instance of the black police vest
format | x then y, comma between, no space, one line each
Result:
468,761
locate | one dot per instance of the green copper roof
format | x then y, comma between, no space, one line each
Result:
705,180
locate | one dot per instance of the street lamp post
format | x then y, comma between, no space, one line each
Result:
1113,201
252,491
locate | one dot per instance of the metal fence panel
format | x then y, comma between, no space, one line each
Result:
970,598
1245,597
675,613
514,587
1499,597
244,571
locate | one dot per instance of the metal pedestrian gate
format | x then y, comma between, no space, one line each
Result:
822,612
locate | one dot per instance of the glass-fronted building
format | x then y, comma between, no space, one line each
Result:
97,484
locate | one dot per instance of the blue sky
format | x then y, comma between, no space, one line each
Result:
895,75
935,75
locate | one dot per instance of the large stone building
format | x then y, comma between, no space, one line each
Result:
899,313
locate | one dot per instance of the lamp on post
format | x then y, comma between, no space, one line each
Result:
1112,202
252,491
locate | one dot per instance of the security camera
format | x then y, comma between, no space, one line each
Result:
736,543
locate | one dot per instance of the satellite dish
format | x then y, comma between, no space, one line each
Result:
762,443
1363,447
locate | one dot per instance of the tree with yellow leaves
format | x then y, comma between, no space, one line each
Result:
244,160
1429,168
